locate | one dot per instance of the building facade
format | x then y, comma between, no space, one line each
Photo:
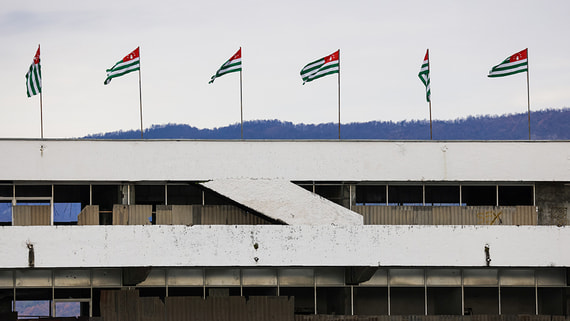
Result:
354,228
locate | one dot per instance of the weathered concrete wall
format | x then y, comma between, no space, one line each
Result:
274,245
156,160
553,202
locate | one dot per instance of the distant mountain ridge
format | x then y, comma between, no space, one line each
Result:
549,124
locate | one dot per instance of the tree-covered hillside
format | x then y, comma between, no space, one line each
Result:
545,125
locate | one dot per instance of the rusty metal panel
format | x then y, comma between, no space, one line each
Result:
151,309
156,277
140,214
443,277
223,277
164,214
227,215
75,278
184,214
32,278
107,278
27,215
6,279
89,215
448,215
259,277
380,278
551,277
185,277
330,277
516,277
296,277
407,277
120,214
480,277
275,308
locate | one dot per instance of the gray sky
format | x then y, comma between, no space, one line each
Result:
183,43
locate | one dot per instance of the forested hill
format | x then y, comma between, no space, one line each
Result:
545,125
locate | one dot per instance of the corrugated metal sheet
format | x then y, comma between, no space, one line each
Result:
185,214
227,215
27,215
140,214
151,309
131,214
89,215
120,214
448,215
164,214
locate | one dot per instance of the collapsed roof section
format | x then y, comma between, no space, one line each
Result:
284,201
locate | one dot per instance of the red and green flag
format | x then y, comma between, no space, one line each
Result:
512,65
34,76
424,76
321,67
232,65
129,63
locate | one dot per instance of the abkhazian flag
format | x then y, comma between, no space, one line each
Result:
34,76
512,65
130,63
232,65
424,75
321,67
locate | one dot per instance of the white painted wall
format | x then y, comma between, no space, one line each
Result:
225,246
157,160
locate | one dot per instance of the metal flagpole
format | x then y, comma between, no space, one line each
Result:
430,133
429,82
140,101
241,104
339,94
41,117
528,93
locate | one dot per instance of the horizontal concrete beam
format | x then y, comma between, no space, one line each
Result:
282,246
170,160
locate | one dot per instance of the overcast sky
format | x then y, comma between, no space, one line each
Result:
183,43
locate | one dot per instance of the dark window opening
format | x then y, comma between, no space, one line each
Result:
516,195
479,195
407,301
405,195
6,190
188,194
371,194
304,298
442,195
33,190
444,301
106,196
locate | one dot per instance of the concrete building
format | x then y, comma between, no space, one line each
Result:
367,228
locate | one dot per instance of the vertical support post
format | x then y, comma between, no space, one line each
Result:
52,205
462,294
352,300
388,285
140,101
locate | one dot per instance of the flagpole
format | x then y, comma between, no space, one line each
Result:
430,126
241,103
430,132
41,117
528,95
339,94
140,102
